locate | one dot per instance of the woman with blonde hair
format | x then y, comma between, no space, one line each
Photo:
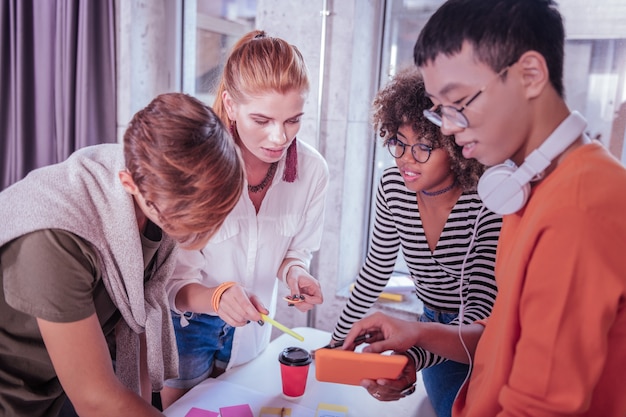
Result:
218,293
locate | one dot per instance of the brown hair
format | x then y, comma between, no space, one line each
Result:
185,165
257,64
402,101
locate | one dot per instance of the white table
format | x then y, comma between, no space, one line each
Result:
258,384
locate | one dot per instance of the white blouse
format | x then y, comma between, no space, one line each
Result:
249,247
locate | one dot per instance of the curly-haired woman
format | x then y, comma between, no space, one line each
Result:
427,207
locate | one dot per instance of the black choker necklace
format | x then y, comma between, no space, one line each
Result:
442,191
266,180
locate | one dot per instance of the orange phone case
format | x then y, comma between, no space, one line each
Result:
348,367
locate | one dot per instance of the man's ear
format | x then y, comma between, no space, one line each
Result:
535,73
127,182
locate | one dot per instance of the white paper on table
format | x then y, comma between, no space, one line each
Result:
215,394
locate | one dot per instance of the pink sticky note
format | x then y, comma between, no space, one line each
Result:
242,410
199,412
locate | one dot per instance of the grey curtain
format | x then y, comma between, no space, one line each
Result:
57,81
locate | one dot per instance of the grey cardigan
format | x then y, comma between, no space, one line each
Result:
84,196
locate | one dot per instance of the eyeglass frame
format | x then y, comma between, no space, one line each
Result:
435,114
422,146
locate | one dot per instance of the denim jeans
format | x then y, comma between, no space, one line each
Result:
443,381
206,343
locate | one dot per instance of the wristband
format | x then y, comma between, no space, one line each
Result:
217,294
408,390
289,264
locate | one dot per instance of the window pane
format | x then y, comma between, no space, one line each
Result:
404,21
211,29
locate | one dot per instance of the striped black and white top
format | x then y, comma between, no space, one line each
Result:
437,274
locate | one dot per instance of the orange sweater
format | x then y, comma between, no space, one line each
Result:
555,344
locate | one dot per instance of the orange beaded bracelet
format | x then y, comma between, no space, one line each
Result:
217,294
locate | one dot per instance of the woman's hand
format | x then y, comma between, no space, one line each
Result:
237,308
302,284
390,389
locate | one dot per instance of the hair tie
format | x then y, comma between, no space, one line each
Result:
217,294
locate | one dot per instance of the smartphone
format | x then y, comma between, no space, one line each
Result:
348,367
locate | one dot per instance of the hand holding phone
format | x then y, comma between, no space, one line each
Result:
348,367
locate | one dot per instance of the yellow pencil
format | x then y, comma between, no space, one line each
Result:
281,327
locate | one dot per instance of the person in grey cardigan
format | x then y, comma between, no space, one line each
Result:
86,246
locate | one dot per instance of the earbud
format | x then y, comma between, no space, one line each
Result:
504,189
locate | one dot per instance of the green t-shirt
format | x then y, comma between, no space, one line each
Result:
53,275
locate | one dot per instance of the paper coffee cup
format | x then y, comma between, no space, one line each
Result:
294,369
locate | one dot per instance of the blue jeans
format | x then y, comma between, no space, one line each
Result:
443,381
205,344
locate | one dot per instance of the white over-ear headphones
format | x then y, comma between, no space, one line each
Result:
504,189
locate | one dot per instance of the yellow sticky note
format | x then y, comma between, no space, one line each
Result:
275,412
331,410
386,295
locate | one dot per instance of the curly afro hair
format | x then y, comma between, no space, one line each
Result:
403,101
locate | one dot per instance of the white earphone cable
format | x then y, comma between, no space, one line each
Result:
462,306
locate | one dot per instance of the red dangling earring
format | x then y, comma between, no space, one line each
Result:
291,163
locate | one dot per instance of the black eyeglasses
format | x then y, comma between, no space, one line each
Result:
455,115
421,152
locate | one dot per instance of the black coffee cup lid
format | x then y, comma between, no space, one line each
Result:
294,356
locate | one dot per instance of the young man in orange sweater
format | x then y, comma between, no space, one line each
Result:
555,343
